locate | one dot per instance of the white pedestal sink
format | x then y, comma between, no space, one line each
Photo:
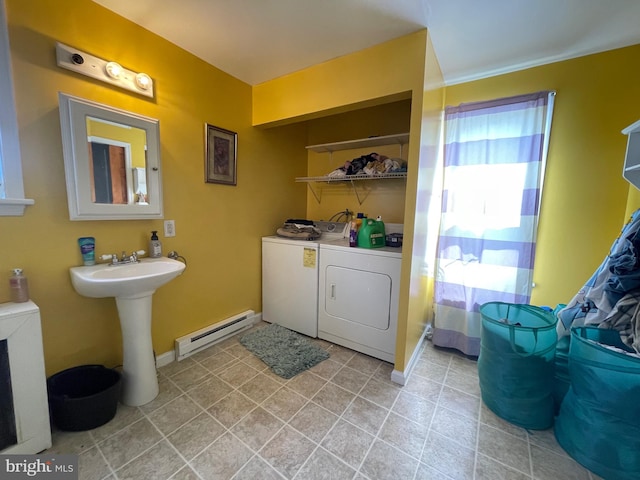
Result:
132,285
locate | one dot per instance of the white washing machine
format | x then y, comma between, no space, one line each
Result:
358,297
290,279
290,284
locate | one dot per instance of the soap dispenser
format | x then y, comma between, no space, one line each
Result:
19,286
155,247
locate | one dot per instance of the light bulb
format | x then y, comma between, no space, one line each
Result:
143,81
113,69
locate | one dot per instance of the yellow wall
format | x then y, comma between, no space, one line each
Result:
218,227
422,199
585,199
633,202
396,70
385,198
376,75
584,202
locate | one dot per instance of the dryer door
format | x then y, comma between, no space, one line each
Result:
359,296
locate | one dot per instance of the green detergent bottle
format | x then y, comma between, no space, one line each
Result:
371,233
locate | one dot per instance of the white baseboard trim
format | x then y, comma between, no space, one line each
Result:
401,377
165,358
398,377
168,357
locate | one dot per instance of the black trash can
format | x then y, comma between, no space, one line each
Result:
84,397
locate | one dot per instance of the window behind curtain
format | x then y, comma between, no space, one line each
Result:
494,160
12,201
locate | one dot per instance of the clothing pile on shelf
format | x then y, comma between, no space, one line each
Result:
371,164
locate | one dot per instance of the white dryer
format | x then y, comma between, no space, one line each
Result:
358,297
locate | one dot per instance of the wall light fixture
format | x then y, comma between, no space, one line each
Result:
143,81
104,70
113,69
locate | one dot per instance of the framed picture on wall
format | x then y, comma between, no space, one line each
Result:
221,155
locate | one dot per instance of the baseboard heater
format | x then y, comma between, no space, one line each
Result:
205,337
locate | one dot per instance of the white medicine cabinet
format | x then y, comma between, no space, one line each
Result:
111,160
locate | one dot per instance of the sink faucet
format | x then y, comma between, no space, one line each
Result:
124,258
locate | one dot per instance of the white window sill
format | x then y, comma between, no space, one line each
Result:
14,207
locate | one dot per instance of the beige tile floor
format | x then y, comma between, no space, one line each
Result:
222,414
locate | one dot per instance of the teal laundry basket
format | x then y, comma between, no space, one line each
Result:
516,363
561,376
561,380
599,419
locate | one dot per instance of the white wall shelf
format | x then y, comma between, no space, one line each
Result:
361,194
400,139
351,178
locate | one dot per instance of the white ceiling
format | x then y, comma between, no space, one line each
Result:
258,40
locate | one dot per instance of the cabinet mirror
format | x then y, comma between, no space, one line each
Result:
111,161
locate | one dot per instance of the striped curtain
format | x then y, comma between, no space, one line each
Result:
494,158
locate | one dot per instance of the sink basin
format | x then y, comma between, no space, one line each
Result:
130,280
132,285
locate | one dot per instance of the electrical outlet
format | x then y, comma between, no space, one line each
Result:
169,228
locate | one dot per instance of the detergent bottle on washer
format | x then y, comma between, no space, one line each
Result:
371,234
